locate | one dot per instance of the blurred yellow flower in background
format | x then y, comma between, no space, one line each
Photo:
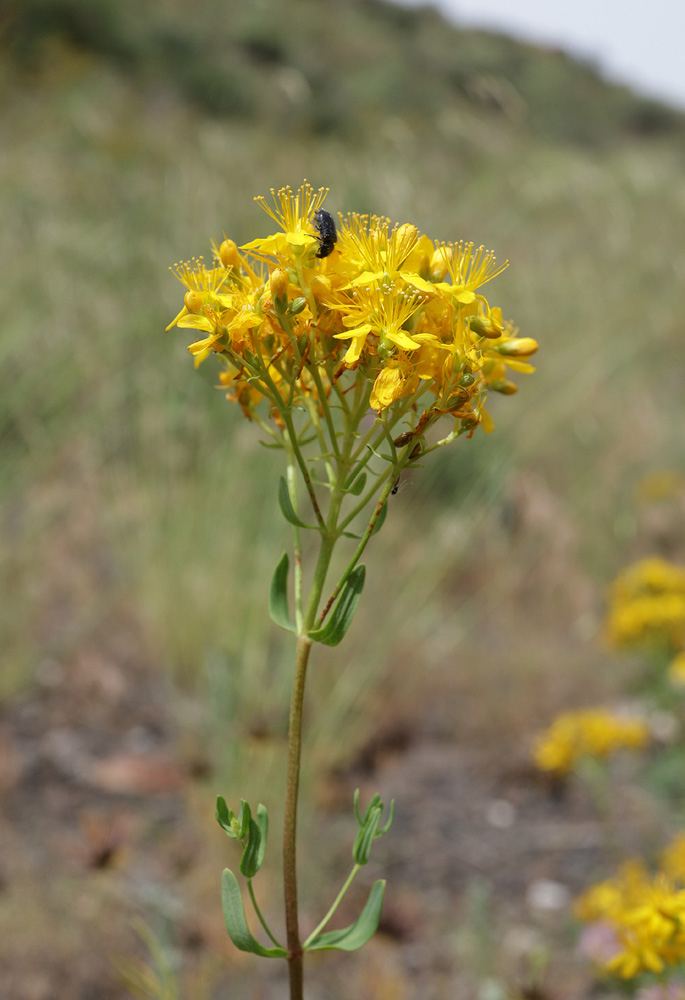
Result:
589,733
647,606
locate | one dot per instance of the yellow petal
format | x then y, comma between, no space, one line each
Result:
364,279
300,239
358,331
270,244
176,318
194,322
400,338
486,421
417,282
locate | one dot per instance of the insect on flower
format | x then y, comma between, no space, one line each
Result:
328,234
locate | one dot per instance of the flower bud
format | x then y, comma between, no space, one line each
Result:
407,231
278,284
192,301
228,254
297,305
440,262
517,347
504,386
484,327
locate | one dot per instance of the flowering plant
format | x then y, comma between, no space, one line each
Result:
645,914
346,345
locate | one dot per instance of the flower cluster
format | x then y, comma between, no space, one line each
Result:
647,606
290,315
589,733
645,912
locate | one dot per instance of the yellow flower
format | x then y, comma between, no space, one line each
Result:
468,269
294,213
673,858
375,312
676,670
609,899
647,605
382,310
591,733
203,286
647,914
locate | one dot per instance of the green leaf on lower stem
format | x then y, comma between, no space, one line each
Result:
236,924
287,509
337,625
278,595
357,934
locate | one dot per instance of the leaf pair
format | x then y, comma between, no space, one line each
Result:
341,617
348,938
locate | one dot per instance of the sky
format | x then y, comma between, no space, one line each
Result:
638,43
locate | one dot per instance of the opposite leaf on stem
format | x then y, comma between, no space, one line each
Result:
337,625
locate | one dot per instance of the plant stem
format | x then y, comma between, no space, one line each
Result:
290,822
262,921
338,899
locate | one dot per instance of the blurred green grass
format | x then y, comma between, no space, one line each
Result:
117,454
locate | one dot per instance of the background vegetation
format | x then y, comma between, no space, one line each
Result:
138,514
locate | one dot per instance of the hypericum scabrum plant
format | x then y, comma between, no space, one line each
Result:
346,343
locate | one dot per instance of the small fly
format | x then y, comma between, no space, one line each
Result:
328,234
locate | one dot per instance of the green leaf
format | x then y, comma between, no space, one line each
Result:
337,625
380,519
384,829
278,595
357,934
223,816
236,924
249,862
263,824
244,818
366,836
285,503
358,485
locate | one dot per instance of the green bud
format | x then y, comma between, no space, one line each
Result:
517,347
366,836
504,386
467,379
297,305
483,327
369,827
